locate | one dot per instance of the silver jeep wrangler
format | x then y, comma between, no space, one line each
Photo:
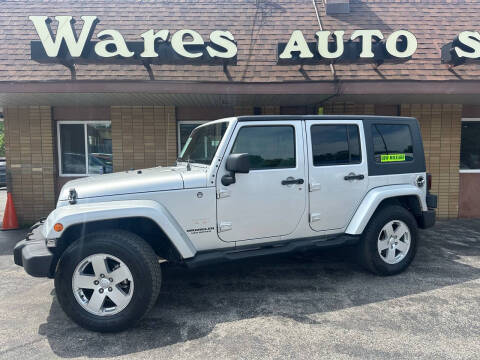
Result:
242,187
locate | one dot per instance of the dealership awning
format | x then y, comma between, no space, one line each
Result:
235,93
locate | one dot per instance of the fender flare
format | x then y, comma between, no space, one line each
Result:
372,200
89,212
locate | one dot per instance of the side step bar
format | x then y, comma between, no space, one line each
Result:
280,247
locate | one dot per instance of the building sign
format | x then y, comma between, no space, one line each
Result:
463,49
183,46
189,47
371,45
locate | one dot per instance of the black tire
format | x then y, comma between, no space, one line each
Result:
367,249
138,256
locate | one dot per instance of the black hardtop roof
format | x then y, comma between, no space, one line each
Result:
369,121
322,117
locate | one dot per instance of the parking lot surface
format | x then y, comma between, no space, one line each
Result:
315,305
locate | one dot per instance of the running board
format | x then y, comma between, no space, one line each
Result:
279,247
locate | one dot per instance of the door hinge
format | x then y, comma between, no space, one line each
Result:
221,193
315,217
314,186
224,226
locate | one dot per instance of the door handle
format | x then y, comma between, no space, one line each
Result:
354,177
292,181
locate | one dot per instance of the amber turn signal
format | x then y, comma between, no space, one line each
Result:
58,227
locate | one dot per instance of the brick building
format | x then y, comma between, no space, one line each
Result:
115,107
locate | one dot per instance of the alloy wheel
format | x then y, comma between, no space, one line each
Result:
394,242
102,284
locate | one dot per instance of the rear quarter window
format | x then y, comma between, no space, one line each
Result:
392,143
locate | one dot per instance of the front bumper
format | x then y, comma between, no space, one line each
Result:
32,253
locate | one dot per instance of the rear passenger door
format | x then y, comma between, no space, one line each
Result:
338,171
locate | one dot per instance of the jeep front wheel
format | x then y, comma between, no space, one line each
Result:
389,242
106,281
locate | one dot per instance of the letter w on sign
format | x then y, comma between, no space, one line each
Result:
65,33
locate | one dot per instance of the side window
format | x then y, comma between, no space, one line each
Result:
269,147
470,146
85,147
335,145
392,143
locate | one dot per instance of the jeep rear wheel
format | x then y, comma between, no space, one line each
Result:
389,242
106,281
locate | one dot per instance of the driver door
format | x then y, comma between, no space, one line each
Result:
258,205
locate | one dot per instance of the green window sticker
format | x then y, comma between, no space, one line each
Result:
392,157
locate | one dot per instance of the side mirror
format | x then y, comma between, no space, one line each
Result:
236,163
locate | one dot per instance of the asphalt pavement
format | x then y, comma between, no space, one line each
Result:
305,306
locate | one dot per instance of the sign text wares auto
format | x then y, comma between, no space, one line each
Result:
186,44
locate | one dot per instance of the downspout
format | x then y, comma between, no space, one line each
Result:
332,67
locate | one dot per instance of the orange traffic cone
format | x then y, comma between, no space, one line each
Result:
10,221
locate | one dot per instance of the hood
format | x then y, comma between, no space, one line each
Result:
135,181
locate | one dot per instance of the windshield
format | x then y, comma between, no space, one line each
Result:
202,143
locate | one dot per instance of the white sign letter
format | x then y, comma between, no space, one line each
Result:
367,36
391,44
322,37
64,32
472,40
149,38
117,40
296,43
225,40
178,43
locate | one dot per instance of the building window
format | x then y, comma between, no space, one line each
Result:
84,147
184,129
335,145
392,143
470,146
268,147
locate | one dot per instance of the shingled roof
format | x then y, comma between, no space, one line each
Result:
258,25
